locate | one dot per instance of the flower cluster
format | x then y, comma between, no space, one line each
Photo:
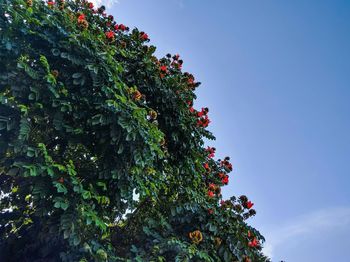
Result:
121,27
253,241
143,36
211,151
213,190
223,177
203,120
196,236
190,81
152,114
239,206
82,21
50,4
110,35
226,164
177,63
207,167
163,71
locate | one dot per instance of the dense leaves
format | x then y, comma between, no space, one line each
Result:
102,155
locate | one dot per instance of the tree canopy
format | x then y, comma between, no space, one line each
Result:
102,155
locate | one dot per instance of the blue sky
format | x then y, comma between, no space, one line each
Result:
276,77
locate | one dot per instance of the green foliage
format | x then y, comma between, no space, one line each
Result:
89,119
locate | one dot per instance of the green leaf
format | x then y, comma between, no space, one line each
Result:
86,194
121,149
64,205
60,188
77,75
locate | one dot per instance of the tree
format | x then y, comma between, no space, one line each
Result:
102,155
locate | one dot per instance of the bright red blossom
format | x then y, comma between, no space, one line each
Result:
143,36
211,193
91,5
249,204
163,68
81,17
224,180
203,122
120,27
109,35
253,243
50,3
211,151
226,163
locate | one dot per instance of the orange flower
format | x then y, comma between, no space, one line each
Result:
253,243
110,35
196,236
137,95
153,114
50,3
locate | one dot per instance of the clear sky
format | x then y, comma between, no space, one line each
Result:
276,78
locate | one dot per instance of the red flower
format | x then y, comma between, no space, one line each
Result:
122,27
249,204
204,122
192,109
91,5
163,69
224,180
212,186
210,193
110,35
143,36
253,243
206,166
211,151
226,163
50,3
81,17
